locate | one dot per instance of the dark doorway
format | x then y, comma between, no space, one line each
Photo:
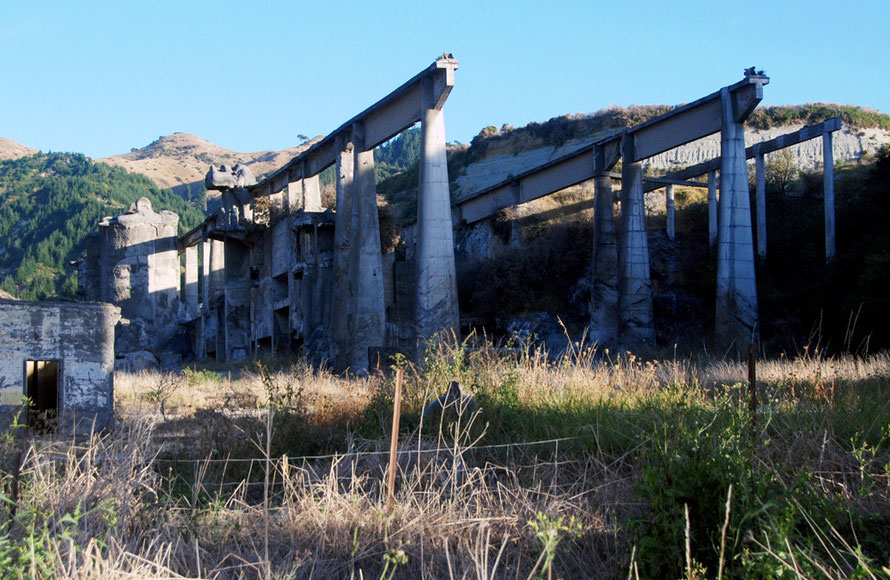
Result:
42,380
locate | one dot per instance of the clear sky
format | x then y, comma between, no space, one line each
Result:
100,77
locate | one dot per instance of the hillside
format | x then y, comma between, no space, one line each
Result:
180,161
11,150
50,203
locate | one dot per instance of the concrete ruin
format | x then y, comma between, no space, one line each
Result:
275,271
60,356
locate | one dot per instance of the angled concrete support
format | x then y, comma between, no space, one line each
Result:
368,302
760,196
436,298
669,210
342,290
828,187
205,274
634,285
712,209
217,269
191,281
604,295
736,303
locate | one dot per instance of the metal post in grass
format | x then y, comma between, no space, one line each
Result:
394,442
752,383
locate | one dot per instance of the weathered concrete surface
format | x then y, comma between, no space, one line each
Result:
669,211
760,200
191,282
138,267
436,308
340,334
237,301
367,306
604,294
80,336
636,324
736,303
828,189
712,209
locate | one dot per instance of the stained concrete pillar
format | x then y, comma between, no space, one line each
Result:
634,285
436,308
669,211
368,302
312,194
828,190
736,302
237,304
205,274
217,270
712,209
604,295
342,279
760,197
191,281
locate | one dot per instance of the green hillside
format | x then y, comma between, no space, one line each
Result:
49,203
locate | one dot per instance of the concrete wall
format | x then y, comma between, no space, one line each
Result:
78,335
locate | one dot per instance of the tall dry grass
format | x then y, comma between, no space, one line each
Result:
165,496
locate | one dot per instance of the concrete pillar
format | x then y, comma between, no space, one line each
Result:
342,291
191,281
712,209
736,303
604,296
312,194
294,195
217,270
368,312
828,187
436,308
205,274
760,196
669,210
634,285
237,305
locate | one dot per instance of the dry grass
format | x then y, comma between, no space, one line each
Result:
116,505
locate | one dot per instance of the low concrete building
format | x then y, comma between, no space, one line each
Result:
60,355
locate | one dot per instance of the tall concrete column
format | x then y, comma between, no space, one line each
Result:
311,194
205,274
736,303
191,281
760,196
342,291
634,285
368,322
237,305
217,270
604,295
712,209
436,308
828,187
669,210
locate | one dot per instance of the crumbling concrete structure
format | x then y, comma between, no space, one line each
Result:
60,356
132,262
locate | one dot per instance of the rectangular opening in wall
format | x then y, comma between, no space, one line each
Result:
42,385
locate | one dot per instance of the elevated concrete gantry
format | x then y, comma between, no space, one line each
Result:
358,314
680,126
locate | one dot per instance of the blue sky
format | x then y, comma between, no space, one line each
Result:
100,77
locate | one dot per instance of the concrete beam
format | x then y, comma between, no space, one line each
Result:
661,182
762,148
566,171
695,120
382,121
